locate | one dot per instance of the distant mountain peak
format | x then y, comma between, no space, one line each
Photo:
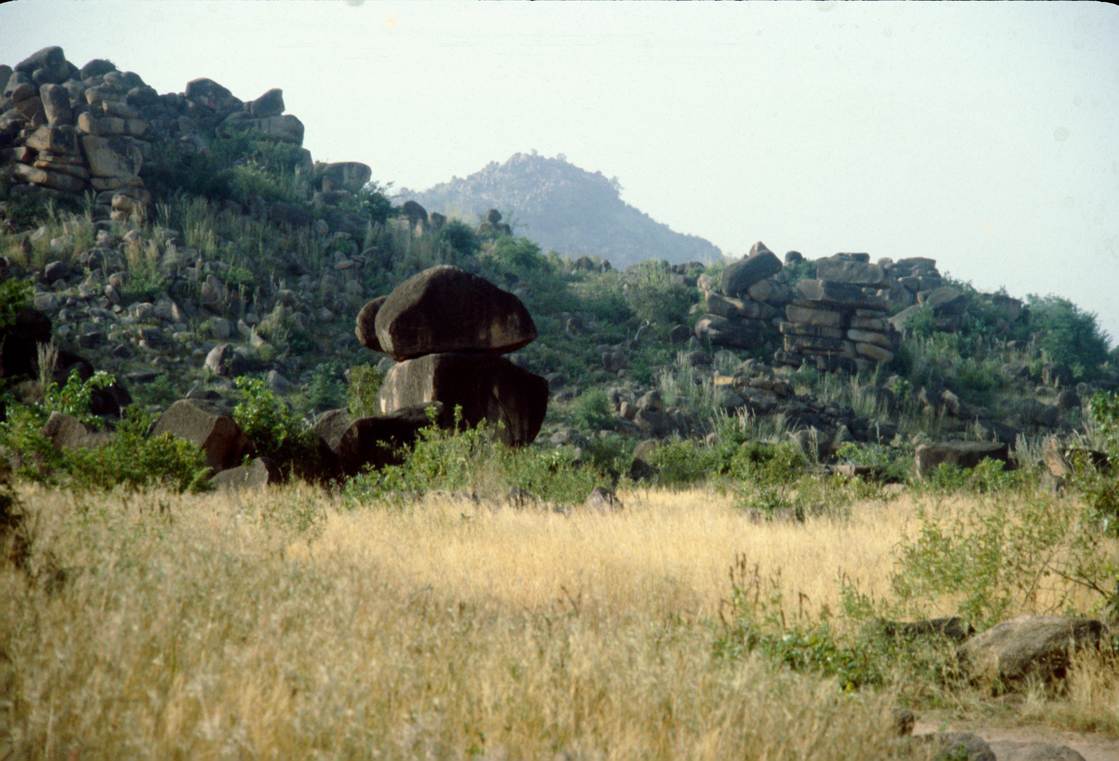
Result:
564,208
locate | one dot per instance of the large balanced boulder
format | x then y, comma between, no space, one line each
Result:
346,175
760,264
962,454
1028,646
446,309
217,434
486,387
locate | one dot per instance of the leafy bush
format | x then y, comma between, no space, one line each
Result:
891,463
363,386
996,557
73,398
15,296
325,389
136,461
275,431
655,297
683,462
1104,409
754,621
459,238
591,411
988,477
127,458
1069,337
471,462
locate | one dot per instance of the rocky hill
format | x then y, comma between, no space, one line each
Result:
565,209
185,242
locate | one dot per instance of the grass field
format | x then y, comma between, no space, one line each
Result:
278,624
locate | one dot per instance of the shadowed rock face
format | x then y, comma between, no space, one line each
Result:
366,327
445,309
760,264
486,388
350,445
219,437
1026,646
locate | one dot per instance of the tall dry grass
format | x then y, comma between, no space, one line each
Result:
276,625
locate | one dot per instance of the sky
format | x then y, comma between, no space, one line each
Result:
979,134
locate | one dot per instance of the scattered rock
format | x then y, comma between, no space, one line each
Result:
1028,646
216,433
254,474
603,500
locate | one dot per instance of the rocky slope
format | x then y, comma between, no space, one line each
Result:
565,209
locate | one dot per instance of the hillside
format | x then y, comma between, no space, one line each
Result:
565,209
289,469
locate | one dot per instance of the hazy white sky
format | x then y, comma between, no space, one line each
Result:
985,135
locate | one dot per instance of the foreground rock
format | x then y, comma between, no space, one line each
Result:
216,433
489,388
255,474
67,432
1019,751
963,454
960,746
446,309
1028,647
354,445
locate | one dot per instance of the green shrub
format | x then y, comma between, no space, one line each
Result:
891,463
362,389
994,557
128,458
546,475
73,398
471,462
683,462
1104,409
754,621
325,389
135,461
460,239
273,428
15,296
591,411
1069,337
655,297
988,477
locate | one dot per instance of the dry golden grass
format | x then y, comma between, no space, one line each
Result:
275,625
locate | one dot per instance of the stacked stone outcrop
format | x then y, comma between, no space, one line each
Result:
741,309
839,319
65,130
448,331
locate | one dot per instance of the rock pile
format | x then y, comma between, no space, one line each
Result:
447,330
743,305
839,319
70,130
65,130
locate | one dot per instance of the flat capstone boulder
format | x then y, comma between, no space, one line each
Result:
446,309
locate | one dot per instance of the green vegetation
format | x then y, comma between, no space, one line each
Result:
129,459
